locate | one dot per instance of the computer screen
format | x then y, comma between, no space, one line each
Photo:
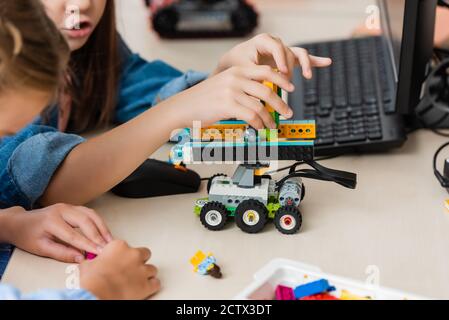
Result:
392,15
408,25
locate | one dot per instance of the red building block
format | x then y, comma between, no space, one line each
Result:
284,293
321,296
90,256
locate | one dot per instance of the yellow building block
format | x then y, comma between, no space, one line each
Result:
297,131
346,295
231,132
197,258
274,88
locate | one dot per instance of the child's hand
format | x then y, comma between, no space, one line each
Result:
120,272
50,232
234,93
265,49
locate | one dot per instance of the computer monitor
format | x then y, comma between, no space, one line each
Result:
409,26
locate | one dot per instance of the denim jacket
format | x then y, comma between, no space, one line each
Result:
29,159
10,293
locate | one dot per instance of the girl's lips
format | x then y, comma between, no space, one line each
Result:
84,31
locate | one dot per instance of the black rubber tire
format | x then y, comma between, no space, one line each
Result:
209,182
220,208
257,206
244,19
303,192
292,212
165,21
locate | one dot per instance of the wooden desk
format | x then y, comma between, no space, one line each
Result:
395,220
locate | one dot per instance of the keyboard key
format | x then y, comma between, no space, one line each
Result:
342,133
322,142
360,131
357,126
369,97
357,113
355,99
372,119
325,135
372,129
323,113
389,107
341,115
341,102
311,99
326,102
351,138
374,135
386,96
370,110
344,126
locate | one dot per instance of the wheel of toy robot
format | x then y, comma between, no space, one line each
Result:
251,216
214,216
303,192
288,220
211,179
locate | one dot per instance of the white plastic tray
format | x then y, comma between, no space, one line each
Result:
292,274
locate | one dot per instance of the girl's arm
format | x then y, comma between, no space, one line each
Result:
45,232
97,165
119,272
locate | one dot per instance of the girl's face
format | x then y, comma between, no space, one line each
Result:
76,19
18,108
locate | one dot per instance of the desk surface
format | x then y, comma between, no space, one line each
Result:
395,220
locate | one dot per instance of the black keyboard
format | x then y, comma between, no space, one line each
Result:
353,101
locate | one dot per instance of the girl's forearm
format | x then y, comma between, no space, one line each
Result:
4,228
99,164
6,223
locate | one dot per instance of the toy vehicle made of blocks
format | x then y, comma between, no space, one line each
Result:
252,208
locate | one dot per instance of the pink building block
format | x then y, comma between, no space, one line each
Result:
90,256
284,293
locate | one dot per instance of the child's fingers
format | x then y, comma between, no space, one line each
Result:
258,107
154,286
320,62
266,73
291,61
268,45
99,222
145,254
248,115
307,61
79,219
262,92
62,252
62,231
304,60
150,271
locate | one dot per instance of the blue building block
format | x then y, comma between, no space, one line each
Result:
312,288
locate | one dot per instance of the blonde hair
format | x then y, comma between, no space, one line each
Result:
33,53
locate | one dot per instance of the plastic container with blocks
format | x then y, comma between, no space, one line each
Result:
292,274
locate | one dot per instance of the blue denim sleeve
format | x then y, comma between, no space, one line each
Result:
5,255
143,84
28,161
10,293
